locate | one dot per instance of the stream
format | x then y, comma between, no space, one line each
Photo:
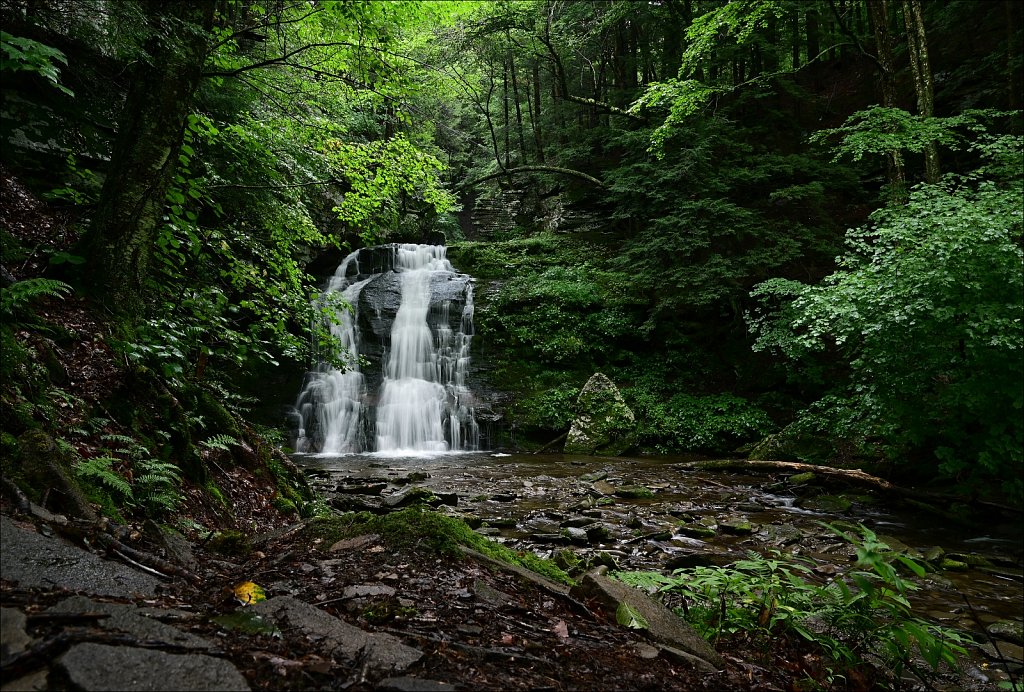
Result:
652,514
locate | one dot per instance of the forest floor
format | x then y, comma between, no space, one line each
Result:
469,623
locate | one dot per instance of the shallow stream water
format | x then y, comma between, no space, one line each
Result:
529,502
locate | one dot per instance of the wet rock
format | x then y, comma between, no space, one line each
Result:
662,624
409,496
633,492
488,531
33,560
934,554
953,565
381,653
368,591
555,538
695,531
604,425
900,548
577,521
1013,653
595,476
749,507
576,536
736,525
101,667
362,488
784,534
503,497
37,681
502,522
833,504
1008,630
354,503
686,560
566,560
597,532
801,478
138,622
604,487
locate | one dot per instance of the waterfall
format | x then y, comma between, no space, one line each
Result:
412,397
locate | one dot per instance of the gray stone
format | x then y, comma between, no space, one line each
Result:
138,622
13,637
381,653
663,625
36,681
1011,631
365,590
604,424
101,667
408,496
33,560
576,535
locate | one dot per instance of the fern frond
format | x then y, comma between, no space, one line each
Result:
123,439
220,442
20,293
101,469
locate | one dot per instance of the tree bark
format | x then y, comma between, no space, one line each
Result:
879,14
120,239
920,64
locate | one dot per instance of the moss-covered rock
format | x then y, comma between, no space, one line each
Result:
604,424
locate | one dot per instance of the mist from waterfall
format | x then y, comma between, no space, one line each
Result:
422,404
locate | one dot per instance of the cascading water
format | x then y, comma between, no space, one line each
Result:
419,401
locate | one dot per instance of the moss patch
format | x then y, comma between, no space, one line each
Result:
420,528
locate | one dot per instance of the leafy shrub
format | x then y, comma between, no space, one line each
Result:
859,616
715,423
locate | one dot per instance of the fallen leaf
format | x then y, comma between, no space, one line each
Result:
248,593
561,629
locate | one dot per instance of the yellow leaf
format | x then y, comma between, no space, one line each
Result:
248,593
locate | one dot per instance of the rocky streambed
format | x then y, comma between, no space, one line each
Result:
658,514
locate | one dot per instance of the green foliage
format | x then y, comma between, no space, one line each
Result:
100,470
220,441
18,53
926,312
856,617
19,294
715,424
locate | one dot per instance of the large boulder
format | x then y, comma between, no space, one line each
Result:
604,425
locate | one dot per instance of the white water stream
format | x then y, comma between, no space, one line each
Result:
422,404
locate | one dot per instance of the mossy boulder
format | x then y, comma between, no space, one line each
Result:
604,425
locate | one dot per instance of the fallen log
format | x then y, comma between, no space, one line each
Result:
852,476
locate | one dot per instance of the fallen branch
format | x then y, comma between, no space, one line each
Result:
854,476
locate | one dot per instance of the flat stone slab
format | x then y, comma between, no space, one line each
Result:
381,653
101,667
663,625
34,560
138,622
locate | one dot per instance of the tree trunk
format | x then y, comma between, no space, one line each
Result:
879,14
917,49
120,239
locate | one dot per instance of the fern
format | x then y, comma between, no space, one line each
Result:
20,293
101,469
220,442
157,486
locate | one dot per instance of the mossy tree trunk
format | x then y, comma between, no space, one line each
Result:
120,239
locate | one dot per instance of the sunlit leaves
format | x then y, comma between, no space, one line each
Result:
382,177
19,53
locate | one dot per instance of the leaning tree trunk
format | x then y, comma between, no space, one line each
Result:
120,239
